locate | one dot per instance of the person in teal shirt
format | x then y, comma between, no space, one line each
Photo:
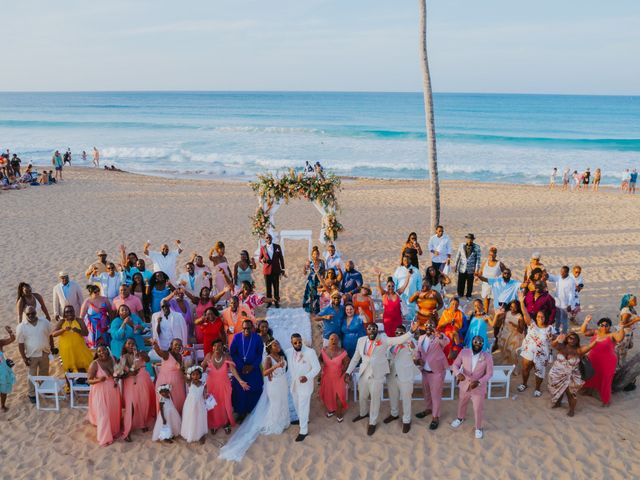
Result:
126,325
477,326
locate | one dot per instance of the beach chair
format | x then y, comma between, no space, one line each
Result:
76,389
50,388
501,378
197,353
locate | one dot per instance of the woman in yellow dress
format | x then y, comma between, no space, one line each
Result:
75,355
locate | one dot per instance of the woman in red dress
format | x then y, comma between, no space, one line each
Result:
211,327
218,365
391,304
333,391
602,356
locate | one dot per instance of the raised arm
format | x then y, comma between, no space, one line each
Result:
523,307
179,247
583,327
145,248
404,285
380,284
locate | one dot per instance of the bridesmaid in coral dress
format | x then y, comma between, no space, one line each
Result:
104,397
218,365
138,392
333,392
391,304
602,356
171,372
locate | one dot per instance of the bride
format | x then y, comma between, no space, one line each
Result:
271,414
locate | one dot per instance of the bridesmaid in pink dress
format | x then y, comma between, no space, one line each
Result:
171,372
333,391
221,271
391,303
602,356
218,365
138,393
105,408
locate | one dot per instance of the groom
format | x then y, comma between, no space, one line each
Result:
303,367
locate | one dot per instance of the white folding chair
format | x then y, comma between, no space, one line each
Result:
76,389
197,353
450,379
501,378
48,387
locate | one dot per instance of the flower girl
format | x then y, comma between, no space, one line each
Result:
194,412
168,422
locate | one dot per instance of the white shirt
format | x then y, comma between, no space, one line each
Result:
35,337
172,326
334,262
166,264
110,286
425,346
565,290
269,248
474,360
442,245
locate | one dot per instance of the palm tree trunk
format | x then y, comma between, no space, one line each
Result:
434,184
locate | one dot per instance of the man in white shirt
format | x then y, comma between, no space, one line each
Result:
164,260
192,281
172,325
333,259
565,298
440,248
34,344
66,293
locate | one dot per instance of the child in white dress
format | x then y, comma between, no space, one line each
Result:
168,423
194,411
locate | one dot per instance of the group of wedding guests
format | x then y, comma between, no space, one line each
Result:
137,331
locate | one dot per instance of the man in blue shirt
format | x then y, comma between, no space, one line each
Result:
351,279
332,317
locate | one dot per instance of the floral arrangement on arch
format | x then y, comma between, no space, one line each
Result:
273,189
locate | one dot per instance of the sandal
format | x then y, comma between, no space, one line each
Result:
227,429
537,393
522,387
340,419
330,414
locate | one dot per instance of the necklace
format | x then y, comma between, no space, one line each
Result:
246,352
218,360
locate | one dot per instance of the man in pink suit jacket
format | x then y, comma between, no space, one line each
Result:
433,365
473,368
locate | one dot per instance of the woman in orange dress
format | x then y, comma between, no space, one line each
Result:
333,391
171,372
429,302
450,323
218,365
138,393
105,408
363,303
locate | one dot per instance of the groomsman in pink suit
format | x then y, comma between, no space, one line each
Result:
433,364
473,369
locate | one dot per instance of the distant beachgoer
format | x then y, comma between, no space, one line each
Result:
552,178
586,176
15,165
624,186
67,157
96,157
565,178
84,156
597,176
56,161
633,179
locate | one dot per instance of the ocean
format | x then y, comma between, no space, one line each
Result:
481,137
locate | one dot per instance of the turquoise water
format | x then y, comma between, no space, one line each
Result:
483,137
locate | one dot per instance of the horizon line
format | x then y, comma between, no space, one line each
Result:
400,92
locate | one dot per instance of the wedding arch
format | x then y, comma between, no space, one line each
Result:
274,190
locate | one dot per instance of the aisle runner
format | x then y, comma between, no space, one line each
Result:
284,322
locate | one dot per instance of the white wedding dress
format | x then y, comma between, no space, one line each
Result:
269,417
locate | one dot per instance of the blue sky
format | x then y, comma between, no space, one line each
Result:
586,47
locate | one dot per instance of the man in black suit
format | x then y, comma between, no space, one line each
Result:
272,267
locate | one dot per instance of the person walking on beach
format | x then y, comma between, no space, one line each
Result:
596,179
552,179
565,178
67,157
633,179
440,248
56,161
96,157
467,264
624,185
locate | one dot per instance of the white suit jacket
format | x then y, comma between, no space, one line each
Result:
375,366
178,328
74,299
309,367
401,362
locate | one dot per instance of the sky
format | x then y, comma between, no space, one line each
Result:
506,46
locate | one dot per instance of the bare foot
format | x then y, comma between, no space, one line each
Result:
168,440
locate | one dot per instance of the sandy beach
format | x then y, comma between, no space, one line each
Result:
60,227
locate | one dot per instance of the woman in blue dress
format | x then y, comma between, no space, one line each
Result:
352,329
126,325
400,276
159,288
7,378
315,270
477,326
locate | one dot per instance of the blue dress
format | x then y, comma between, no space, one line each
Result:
415,285
351,333
311,299
120,336
246,351
156,298
477,327
7,378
